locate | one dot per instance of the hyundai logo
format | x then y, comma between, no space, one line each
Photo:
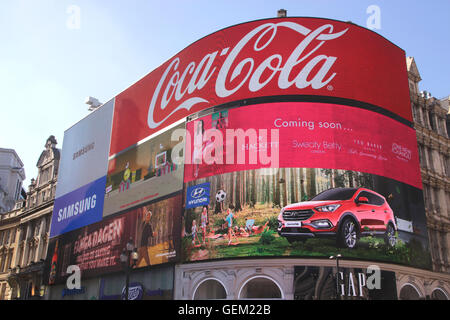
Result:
197,192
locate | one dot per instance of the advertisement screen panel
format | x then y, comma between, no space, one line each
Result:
282,57
78,208
302,134
96,248
82,172
145,172
85,150
308,212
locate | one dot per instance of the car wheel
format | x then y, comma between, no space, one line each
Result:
390,237
348,234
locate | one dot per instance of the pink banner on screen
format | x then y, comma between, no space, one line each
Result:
311,135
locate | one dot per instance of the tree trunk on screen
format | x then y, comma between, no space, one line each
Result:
311,182
283,185
237,202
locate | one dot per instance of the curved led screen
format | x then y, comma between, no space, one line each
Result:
303,179
272,57
287,137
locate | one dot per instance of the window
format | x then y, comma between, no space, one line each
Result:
439,294
335,194
43,176
7,236
47,224
31,228
260,288
210,289
430,158
2,262
444,246
18,187
13,236
421,156
409,292
22,234
2,291
434,245
376,200
36,228
373,199
446,165
9,261
432,120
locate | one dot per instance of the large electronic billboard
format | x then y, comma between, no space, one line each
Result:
287,179
82,172
96,248
286,137
274,58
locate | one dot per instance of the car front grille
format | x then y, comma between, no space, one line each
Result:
296,230
298,215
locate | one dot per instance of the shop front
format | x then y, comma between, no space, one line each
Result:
306,279
153,284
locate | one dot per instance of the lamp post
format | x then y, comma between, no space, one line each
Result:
337,257
128,257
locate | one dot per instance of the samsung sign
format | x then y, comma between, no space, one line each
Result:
198,195
78,208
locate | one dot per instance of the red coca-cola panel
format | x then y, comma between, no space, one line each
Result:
299,135
281,56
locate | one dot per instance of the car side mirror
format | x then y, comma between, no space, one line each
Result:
362,200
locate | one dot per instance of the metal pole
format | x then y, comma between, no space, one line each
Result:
127,284
337,279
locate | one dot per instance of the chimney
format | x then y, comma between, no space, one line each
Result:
282,13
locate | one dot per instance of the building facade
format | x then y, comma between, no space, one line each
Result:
27,227
430,121
12,175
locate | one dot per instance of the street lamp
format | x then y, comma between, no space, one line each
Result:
337,257
129,258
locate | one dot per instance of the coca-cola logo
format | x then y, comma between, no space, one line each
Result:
182,89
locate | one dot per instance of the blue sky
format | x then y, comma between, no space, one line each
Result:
48,67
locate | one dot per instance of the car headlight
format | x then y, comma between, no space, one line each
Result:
282,211
328,208
322,224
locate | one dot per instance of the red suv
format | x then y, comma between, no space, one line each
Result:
343,213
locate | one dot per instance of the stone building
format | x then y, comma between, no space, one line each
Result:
12,175
27,226
430,118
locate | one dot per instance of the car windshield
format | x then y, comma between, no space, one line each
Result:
335,194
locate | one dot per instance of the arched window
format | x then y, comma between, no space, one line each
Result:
260,288
210,289
439,294
409,292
